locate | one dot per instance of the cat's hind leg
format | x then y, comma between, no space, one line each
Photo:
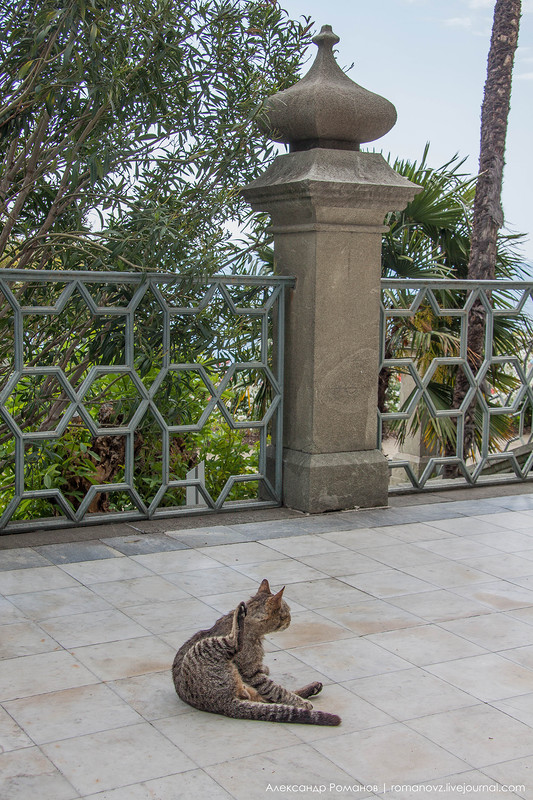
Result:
273,693
214,649
310,690
237,629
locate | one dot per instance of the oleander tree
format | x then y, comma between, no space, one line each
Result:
126,131
126,127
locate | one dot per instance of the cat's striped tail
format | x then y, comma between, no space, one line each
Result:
279,712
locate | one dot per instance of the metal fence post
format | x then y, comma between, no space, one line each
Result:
327,202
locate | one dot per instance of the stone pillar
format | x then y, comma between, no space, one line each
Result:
327,202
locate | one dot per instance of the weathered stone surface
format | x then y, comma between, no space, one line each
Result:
327,206
326,108
334,481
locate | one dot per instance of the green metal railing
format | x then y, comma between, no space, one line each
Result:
129,396
422,420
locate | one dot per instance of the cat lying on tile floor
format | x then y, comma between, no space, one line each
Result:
221,669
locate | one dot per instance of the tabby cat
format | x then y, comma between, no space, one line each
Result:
221,670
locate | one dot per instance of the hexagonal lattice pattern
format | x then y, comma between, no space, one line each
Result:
141,395
433,432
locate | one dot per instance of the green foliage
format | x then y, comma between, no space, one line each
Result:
126,128
126,131
431,239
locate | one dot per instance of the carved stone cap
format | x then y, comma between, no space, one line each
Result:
326,108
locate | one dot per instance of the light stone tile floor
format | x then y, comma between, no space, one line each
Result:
418,621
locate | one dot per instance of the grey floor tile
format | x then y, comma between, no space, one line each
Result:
410,757
219,580
306,545
177,561
12,737
417,619
387,583
402,555
139,543
474,782
9,613
207,537
174,615
23,639
498,595
209,738
408,694
78,630
109,569
370,616
520,707
193,784
22,558
245,553
34,579
358,538
112,661
496,631
510,520
343,562
439,606
70,552
480,735
348,659
504,565
472,508
519,502
488,677
282,571
151,695
426,644
135,591
277,528
308,627
59,602
516,772
112,759
28,773
324,592
249,778
71,712
41,673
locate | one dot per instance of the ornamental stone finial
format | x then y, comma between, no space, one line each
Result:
326,108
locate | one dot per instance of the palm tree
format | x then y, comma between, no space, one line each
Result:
488,214
431,239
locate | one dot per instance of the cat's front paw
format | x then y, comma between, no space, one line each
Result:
241,611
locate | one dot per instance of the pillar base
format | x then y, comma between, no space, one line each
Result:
315,483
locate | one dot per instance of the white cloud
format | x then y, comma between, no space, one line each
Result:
525,76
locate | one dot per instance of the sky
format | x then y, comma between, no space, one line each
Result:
429,58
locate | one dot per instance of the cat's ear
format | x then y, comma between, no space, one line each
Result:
264,588
274,602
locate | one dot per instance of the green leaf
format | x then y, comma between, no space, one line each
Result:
23,71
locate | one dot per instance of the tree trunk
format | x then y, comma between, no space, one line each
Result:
488,213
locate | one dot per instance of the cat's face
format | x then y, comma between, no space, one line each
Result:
268,609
